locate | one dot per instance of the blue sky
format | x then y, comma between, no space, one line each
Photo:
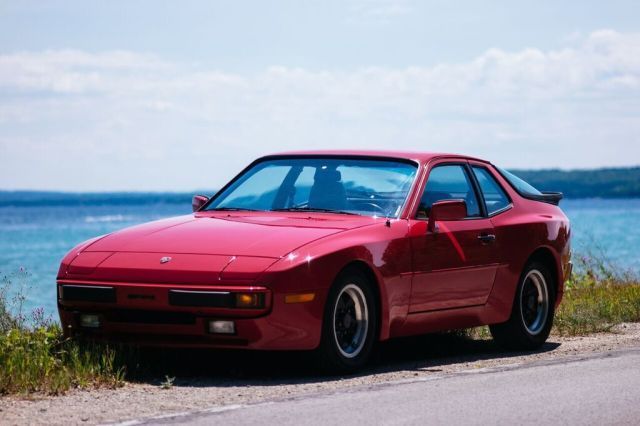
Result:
150,95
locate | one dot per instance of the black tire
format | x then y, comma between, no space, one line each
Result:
531,316
340,325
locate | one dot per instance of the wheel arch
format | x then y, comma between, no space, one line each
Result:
381,307
546,256
511,332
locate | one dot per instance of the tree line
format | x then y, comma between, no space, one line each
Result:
602,183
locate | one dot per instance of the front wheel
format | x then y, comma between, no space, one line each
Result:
349,325
532,313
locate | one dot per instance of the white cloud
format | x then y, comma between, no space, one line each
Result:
136,121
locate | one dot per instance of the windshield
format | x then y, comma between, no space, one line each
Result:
343,185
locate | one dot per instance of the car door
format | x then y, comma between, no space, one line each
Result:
455,265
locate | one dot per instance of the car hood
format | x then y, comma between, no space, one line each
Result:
239,235
204,247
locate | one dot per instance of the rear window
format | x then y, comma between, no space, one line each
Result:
520,185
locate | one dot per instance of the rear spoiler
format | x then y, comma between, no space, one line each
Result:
546,197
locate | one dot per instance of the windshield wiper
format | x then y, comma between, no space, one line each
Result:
232,209
313,209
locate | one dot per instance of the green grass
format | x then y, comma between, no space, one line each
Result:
35,357
597,299
41,360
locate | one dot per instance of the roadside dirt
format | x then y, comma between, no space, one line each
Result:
213,379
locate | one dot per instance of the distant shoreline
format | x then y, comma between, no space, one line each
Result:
53,198
609,183
595,183
58,199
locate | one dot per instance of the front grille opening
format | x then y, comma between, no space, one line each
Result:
87,293
204,341
138,316
209,299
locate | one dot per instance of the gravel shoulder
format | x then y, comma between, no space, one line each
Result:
215,379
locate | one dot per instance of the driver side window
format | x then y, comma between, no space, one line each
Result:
448,182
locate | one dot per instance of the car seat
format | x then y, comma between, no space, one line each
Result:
327,191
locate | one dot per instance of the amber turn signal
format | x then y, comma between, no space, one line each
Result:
299,298
249,300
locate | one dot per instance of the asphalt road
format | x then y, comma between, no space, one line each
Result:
598,389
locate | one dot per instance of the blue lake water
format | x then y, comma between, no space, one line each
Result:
36,238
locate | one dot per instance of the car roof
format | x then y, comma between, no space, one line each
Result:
421,157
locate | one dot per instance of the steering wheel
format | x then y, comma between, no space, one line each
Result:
376,207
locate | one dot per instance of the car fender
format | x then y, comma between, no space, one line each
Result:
383,249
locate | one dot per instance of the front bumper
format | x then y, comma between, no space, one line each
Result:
178,315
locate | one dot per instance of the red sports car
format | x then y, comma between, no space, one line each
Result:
332,252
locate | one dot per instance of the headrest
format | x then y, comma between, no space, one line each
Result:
327,175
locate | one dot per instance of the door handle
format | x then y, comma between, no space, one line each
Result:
487,238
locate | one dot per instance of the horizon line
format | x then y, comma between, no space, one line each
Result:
204,191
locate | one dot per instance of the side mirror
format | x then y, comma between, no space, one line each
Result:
446,210
198,201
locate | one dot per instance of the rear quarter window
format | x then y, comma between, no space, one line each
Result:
494,196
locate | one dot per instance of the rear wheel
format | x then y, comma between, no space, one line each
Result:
532,313
349,325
